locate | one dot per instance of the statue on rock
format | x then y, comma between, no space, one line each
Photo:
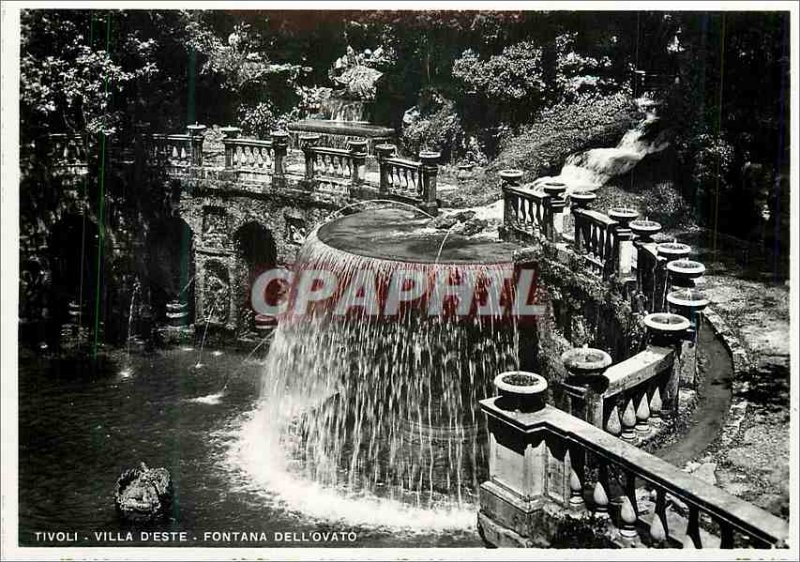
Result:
143,494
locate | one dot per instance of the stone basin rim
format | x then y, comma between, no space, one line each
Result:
666,322
537,386
585,359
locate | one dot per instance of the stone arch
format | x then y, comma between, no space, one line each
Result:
73,249
170,266
256,251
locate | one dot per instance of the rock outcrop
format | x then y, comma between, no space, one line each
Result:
143,494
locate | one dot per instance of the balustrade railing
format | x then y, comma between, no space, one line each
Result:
249,155
175,152
595,239
525,210
68,154
405,179
333,170
548,457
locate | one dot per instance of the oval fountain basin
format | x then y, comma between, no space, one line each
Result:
686,268
402,235
693,299
666,322
407,383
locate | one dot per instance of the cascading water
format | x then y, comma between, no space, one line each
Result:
382,409
591,169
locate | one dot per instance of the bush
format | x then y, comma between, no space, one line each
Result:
566,128
433,125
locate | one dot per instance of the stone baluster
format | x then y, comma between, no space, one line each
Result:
624,252
659,529
643,414
384,152
196,140
230,133
308,143
430,171
358,156
613,425
576,477
280,148
629,421
692,538
600,492
655,407
629,510
580,231
725,535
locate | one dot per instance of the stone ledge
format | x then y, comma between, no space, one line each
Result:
741,365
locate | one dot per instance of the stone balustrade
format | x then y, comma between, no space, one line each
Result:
414,181
631,398
175,152
68,154
525,211
257,160
547,467
337,171
597,241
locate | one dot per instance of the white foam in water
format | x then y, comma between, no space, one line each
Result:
375,423
208,399
591,169
259,455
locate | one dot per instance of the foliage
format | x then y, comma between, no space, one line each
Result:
566,128
434,125
69,78
511,76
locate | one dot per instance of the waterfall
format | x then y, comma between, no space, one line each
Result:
383,408
591,169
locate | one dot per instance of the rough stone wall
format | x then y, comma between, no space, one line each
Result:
581,310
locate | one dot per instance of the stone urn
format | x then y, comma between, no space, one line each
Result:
684,272
582,198
511,177
665,327
689,302
585,364
645,229
143,494
521,391
673,250
464,171
623,215
554,189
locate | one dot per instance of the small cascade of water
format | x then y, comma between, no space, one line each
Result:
591,169
383,406
127,370
337,108
199,363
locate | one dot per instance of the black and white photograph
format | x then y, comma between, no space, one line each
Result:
307,280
